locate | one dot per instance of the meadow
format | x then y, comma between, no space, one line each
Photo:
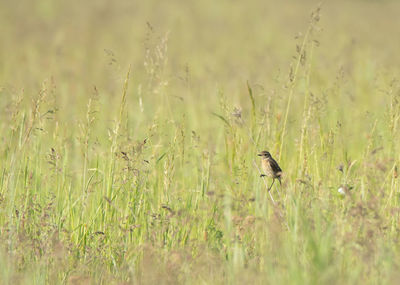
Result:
129,133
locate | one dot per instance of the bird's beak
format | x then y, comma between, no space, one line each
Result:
259,154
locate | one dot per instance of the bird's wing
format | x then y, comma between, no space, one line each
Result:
274,165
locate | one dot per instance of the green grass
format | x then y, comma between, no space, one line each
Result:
129,134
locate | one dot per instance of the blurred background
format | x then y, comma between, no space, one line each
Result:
209,43
196,48
189,52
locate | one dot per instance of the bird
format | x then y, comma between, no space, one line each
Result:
270,167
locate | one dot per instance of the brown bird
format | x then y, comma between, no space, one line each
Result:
270,167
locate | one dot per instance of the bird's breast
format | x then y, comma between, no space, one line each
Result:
267,168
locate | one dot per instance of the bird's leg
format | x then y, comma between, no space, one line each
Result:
269,188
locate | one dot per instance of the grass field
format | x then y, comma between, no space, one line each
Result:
129,133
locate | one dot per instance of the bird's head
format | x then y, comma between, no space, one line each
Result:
264,154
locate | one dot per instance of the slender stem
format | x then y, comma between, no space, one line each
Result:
293,81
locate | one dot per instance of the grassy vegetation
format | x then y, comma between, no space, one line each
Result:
129,133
